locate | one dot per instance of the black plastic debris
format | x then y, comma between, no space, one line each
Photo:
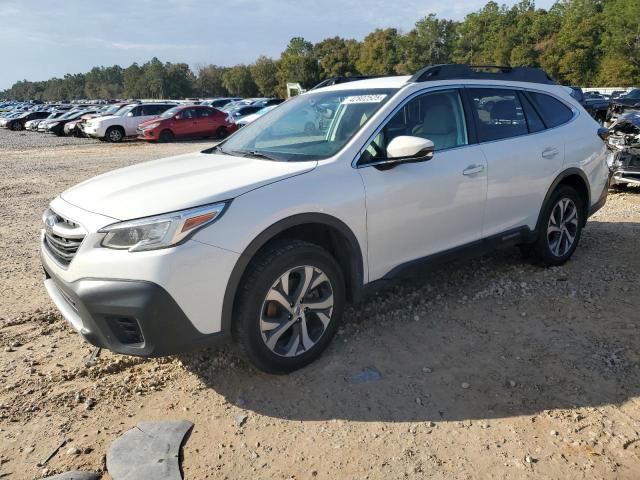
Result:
75,475
150,451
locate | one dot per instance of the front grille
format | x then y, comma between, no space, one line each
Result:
62,237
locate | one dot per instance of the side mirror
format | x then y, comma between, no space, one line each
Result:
130,114
409,149
178,117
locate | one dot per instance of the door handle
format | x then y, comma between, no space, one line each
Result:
473,169
550,152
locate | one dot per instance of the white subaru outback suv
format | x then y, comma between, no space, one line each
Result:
124,123
264,237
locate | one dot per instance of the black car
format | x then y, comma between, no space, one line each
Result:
597,107
239,112
630,101
57,126
17,124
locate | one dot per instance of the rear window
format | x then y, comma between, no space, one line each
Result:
499,114
553,111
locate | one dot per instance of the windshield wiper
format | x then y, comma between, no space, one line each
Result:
253,154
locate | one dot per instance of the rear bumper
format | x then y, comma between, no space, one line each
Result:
131,317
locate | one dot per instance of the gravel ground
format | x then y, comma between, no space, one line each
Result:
492,368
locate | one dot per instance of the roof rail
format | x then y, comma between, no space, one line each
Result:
336,80
454,71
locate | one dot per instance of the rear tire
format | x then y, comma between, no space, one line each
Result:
16,126
114,134
222,132
166,136
560,227
289,306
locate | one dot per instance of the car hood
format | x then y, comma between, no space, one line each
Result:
176,183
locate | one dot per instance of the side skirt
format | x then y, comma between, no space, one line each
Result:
510,238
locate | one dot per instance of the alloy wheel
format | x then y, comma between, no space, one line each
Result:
115,135
296,311
563,227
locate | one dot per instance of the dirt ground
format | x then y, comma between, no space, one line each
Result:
492,368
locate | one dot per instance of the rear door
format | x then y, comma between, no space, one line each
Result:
207,122
523,157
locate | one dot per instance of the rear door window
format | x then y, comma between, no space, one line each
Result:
498,113
553,111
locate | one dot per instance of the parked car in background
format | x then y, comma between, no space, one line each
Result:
124,123
595,104
219,102
247,119
630,101
35,124
267,102
19,122
57,126
617,94
9,116
187,121
237,113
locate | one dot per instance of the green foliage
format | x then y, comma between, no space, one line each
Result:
264,72
238,81
298,63
578,42
337,57
209,81
379,52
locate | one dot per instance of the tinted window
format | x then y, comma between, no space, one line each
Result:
499,114
436,116
204,112
553,112
188,113
533,119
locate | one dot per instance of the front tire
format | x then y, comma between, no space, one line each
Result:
166,136
16,126
289,306
560,227
114,134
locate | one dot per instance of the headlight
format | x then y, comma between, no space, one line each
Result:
160,231
151,125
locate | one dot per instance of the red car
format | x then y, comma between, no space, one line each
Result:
187,121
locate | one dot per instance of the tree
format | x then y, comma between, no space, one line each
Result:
621,43
132,81
265,75
337,57
209,81
431,42
379,53
179,80
238,81
154,78
298,63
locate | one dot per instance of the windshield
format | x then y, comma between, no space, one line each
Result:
312,126
124,110
171,112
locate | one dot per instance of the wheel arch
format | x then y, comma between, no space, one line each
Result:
321,229
576,178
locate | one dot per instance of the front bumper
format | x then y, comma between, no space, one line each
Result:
131,317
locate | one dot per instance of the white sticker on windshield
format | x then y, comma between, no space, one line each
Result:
364,99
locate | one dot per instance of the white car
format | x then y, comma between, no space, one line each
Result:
124,123
264,237
247,119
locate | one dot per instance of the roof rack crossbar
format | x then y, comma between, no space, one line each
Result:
454,71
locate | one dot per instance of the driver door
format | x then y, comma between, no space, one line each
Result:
419,209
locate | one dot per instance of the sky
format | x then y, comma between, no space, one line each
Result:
41,39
